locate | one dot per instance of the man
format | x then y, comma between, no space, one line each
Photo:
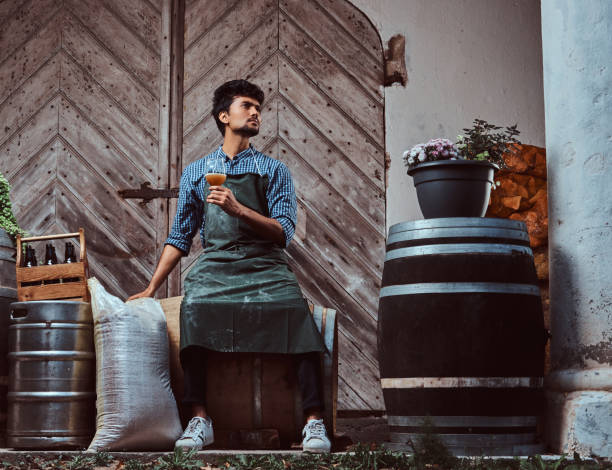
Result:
240,295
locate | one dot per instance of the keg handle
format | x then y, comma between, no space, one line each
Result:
19,314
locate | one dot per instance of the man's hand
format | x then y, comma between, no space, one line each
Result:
144,293
225,199
167,261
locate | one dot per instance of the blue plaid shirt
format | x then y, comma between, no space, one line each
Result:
282,204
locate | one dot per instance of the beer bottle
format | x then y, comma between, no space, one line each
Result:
29,262
69,257
50,259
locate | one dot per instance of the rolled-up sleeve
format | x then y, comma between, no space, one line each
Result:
189,216
282,202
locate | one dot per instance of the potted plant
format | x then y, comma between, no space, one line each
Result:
455,179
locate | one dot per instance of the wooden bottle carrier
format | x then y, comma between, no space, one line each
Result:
66,290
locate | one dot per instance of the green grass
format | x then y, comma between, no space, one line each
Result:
428,455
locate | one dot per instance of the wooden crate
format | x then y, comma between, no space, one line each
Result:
73,290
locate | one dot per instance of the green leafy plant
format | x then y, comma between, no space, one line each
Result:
178,460
133,464
485,141
80,462
429,449
7,219
536,462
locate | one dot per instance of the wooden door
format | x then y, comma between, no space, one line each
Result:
83,107
320,64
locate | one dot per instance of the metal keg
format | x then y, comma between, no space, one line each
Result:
461,335
52,374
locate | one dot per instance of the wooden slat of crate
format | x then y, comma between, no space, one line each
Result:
68,290
51,272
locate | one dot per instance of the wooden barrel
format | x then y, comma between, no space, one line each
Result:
461,335
252,398
8,295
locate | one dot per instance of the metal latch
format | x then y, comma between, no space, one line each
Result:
146,193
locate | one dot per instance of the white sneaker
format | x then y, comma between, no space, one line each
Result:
197,434
315,437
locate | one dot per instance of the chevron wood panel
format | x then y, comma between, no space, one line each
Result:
81,94
320,64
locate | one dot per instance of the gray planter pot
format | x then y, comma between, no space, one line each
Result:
453,188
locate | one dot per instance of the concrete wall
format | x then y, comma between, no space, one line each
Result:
465,59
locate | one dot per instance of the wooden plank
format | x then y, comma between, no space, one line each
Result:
30,56
348,399
157,4
21,26
168,110
334,167
360,373
52,291
201,15
355,23
123,44
340,45
31,138
108,115
227,33
176,126
33,179
99,152
109,259
118,82
136,233
259,46
347,234
9,8
355,321
142,19
29,98
205,135
39,214
56,271
363,377
332,80
269,124
84,142
332,122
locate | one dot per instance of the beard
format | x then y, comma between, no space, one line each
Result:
247,131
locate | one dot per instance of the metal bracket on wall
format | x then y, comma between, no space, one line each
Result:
146,193
395,61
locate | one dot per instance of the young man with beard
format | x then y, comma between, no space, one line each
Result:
240,296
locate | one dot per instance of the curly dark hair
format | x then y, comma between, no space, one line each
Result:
225,94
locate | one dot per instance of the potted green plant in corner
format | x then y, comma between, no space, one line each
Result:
9,229
455,179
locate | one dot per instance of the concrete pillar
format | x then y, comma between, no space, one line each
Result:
577,56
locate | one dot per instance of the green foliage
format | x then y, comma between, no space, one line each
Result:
361,457
482,141
7,218
536,462
133,464
178,460
429,448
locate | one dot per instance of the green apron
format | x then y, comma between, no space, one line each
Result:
241,295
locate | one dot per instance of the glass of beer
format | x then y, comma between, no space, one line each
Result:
215,171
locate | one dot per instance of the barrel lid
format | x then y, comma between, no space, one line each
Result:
70,311
458,222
